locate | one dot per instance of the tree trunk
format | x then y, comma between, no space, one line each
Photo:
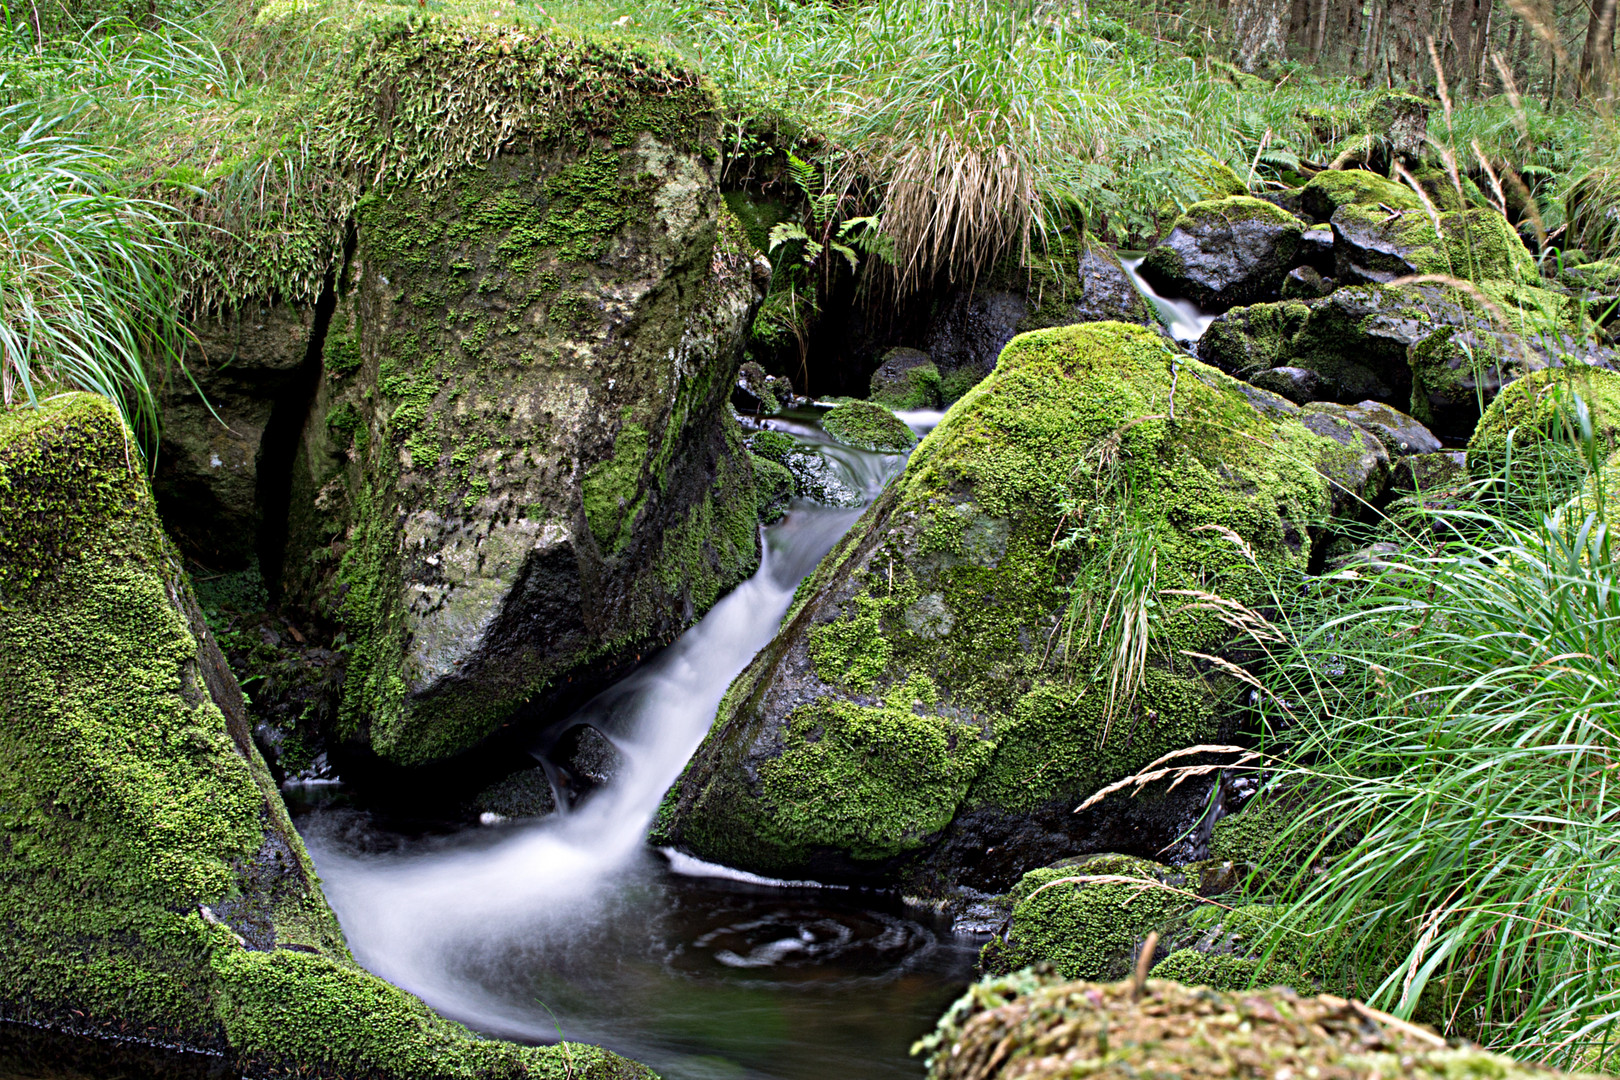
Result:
1469,33
1597,59
1258,32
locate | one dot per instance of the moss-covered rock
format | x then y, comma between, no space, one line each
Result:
151,885
923,715
1225,252
773,487
1372,244
1083,927
869,426
520,470
1542,412
907,379
1332,188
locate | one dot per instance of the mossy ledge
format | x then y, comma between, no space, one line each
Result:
151,885
920,717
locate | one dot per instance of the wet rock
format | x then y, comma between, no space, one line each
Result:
814,477
1304,283
868,426
175,902
524,794
521,471
773,487
590,757
1429,472
1374,245
1359,472
754,392
1299,385
1401,435
912,721
1060,288
906,379
1226,252
1316,249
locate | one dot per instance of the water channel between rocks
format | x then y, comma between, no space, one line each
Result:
570,926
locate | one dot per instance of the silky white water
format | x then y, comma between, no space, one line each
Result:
569,926
1185,320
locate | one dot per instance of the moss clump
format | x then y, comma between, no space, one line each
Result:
773,487
772,445
1541,413
870,427
610,489
1083,929
151,884
1332,188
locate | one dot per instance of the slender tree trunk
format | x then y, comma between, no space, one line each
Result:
1258,32
1468,31
1597,58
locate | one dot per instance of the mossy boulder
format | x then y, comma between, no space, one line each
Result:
813,475
907,379
869,427
1372,244
151,884
773,487
1067,284
1332,188
922,716
1225,252
1541,412
520,471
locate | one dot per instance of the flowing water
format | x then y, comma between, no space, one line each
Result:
1185,320
570,927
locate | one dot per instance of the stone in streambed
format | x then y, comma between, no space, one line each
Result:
921,717
906,379
1225,252
869,427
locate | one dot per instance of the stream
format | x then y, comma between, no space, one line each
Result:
570,927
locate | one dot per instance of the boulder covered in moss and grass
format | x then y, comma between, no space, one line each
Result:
519,471
1374,244
151,885
870,427
1543,420
1041,1027
929,712
1332,188
1226,252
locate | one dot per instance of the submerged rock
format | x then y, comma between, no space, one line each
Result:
906,379
869,427
521,470
151,884
923,716
1225,252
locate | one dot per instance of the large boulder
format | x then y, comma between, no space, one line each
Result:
1538,419
151,885
929,713
520,471
1374,244
1332,188
1067,285
1226,252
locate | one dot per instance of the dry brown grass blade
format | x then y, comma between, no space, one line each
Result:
1158,770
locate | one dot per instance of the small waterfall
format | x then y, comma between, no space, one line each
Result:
570,927
1185,320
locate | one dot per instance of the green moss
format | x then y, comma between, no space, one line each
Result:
758,216
773,487
1086,929
1249,836
772,445
610,489
1476,245
1542,413
920,387
1332,188
874,782
955,384
1235,208
869,426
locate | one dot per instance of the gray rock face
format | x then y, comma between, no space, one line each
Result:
1304,283
1299,385
1401,435
818,479
207,481
1059,290
521,469
1226,252
1358,475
